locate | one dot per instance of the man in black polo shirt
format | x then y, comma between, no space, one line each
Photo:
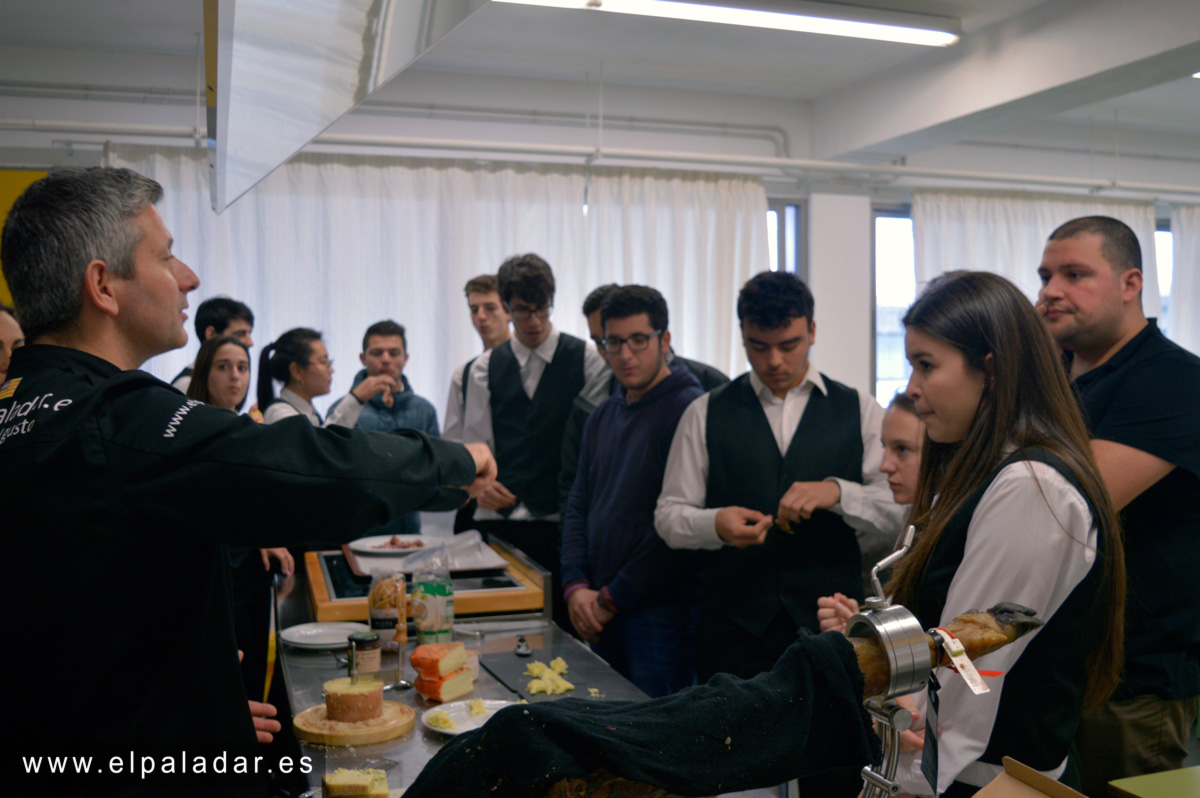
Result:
782,441
1139,394
518,397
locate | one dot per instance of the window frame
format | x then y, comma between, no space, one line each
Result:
878,211
799,264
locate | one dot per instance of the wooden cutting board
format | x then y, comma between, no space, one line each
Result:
529,599
311,726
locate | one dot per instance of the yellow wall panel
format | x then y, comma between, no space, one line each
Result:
12,183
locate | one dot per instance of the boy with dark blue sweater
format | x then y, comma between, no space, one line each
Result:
627,593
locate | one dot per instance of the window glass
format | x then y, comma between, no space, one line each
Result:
773,239
1164,253
895,290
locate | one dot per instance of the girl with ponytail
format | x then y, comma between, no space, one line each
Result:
300,361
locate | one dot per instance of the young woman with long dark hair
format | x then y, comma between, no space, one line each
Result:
221,376
1009,507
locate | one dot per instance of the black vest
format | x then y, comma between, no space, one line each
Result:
466,378
821,556
528,431
1048,681
187,372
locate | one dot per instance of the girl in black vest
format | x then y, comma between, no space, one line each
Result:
1009,507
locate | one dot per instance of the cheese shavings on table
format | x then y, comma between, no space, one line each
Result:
440,720
548,679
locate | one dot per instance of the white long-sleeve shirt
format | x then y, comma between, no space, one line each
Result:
344,414
684,522
1031,540
452,430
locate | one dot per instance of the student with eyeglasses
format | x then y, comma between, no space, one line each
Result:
628,594
756,473
605,384
518,397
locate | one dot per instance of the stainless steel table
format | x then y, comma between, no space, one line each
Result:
306,671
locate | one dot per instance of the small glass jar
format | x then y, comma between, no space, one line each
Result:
366,654
388,616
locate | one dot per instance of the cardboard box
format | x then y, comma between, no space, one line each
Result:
1022,781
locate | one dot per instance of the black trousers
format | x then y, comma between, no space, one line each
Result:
541,541
252,617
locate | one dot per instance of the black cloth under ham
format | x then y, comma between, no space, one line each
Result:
803,719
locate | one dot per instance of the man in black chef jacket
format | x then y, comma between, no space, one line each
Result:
120,493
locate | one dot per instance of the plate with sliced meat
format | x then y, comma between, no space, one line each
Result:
393,545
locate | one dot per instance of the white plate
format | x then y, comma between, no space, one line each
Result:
321,635
460,713
365,545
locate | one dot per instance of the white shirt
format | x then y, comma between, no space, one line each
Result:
452,429
477,413
344,414
1031,540
683,521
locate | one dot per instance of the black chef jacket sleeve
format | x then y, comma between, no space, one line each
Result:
224,476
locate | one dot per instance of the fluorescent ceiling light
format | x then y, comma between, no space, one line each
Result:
754,18
1197,75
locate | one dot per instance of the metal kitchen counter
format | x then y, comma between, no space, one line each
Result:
306,671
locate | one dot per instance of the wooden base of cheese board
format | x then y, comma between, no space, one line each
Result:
313,726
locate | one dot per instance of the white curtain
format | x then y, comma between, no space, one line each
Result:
1005,232
1185,283
338,242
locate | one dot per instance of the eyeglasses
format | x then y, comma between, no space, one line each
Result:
522,313
637,342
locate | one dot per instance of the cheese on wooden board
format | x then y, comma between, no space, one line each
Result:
343,782
351,703
438,660
453,686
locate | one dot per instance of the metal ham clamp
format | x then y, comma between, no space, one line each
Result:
898,657
909,666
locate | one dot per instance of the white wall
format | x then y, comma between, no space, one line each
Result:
840,276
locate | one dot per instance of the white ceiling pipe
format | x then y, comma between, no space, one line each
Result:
767,164
97,128
764,165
